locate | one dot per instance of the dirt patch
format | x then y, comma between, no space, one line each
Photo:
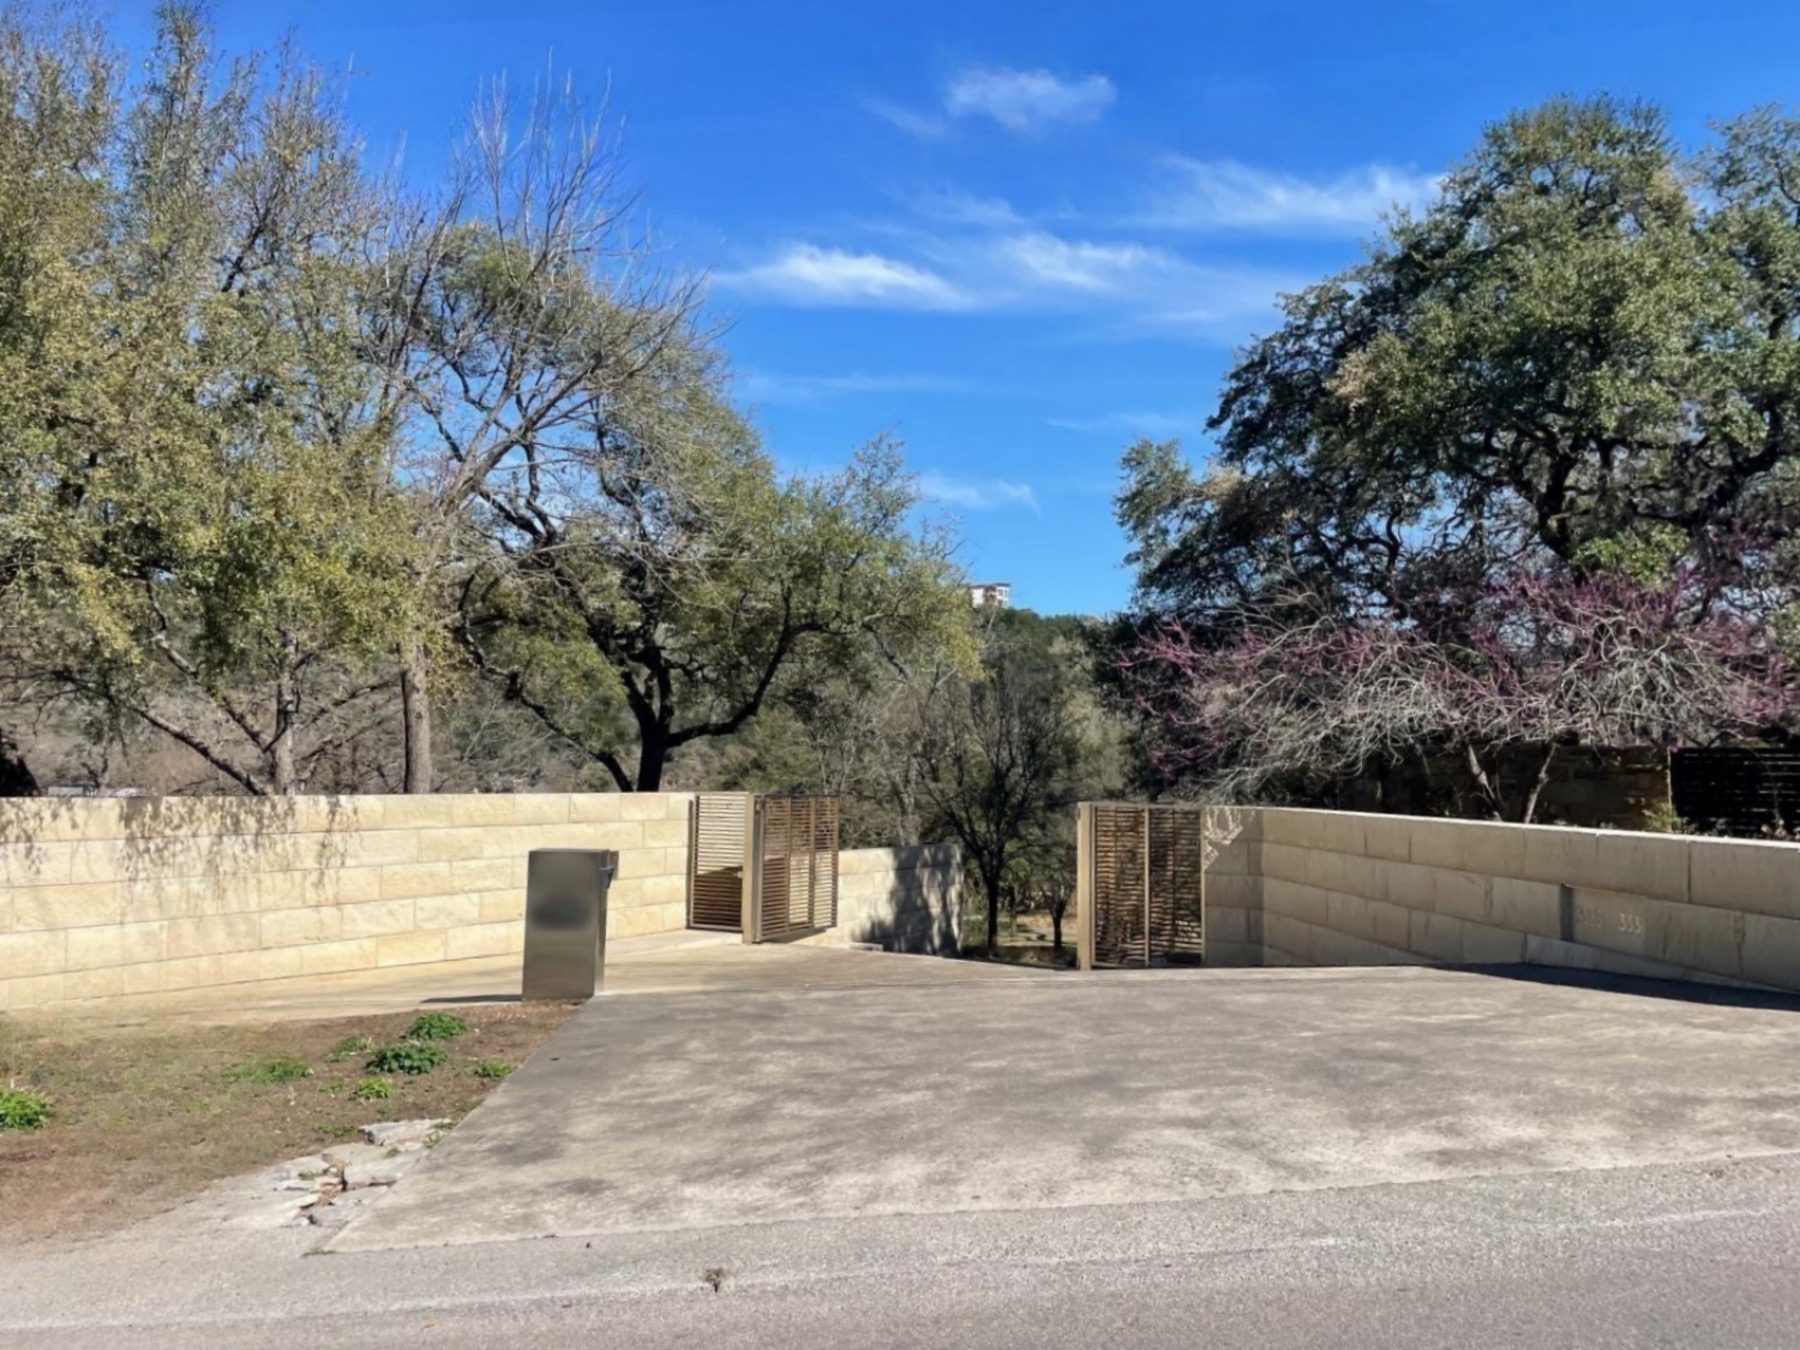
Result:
1031,954
146,1117
1026,939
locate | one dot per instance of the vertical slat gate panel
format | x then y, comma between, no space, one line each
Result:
1143,868
716,879
825,861
798,864
1118,884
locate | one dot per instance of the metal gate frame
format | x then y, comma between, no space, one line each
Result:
1140,884
764,866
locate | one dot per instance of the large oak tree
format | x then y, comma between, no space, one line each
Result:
1578,367
1585,351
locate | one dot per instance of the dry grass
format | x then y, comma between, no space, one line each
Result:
146,1117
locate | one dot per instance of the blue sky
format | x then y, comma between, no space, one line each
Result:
1017,235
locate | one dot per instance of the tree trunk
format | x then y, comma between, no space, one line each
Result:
992,885
1486,784
1669,812
415,713
653,755
1537,788
287,708
16,778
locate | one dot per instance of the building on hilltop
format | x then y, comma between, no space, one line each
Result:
990,594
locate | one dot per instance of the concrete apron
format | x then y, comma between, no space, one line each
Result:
919,1090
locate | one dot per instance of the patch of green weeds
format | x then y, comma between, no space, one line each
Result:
22,1109
436,1026
411,1057
276,1069
349,1048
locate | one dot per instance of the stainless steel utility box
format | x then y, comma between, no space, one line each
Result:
565,921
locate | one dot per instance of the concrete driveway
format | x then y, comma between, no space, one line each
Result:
915,1092
820,1149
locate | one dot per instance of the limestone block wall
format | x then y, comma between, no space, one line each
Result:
902,899
1341,888
1233,890
119,896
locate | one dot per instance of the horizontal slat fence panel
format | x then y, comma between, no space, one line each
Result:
1142,884
1743,790
716,860
797,856
1118,885
1177,867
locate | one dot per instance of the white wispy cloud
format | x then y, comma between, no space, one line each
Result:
1156,425
771,387
923,123
1134,287
1022,101
1027,100
1224,194
1137,287
807,275
1079,264
985,494
953,206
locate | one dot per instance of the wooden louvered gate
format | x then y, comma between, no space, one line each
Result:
796,843
766,867
718,843
1140,884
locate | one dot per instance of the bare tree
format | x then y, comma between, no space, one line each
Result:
514,312
1544,663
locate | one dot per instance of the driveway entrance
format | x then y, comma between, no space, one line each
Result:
804,1084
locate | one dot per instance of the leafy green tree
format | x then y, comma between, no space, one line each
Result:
648,585
1586,352
845,719
517,316
1576,374
1004,753
202,530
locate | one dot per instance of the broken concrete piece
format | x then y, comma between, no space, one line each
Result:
398,1133
381,1172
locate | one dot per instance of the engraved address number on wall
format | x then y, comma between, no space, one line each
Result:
1632,924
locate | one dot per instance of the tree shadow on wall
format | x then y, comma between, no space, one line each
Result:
917,915
163,843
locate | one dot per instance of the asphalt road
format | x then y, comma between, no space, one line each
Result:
1661,1256
1355,1158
